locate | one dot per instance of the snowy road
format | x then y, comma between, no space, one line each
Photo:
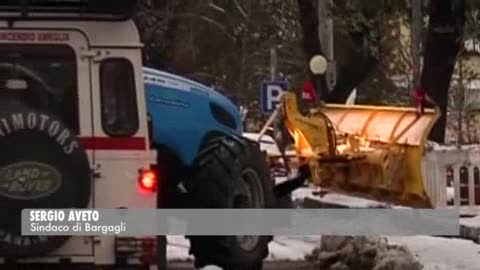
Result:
282,248
434,253
442,253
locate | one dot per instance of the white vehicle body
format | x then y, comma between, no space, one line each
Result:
267,143
115,161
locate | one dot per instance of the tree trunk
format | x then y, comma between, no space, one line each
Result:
167,25
444,39
349,74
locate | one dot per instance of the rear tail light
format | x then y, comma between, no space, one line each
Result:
148,180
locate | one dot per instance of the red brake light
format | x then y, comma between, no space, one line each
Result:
148,180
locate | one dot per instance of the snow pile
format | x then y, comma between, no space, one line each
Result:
438,253
211,267
178,248
292,248
360,253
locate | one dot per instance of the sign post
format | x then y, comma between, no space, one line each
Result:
273,64
271,94
326,37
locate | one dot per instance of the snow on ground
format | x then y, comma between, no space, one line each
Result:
292,248
177,248
282,248
471,222
335,198
433,252
442,253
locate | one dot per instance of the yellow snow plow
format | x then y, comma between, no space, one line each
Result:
366,151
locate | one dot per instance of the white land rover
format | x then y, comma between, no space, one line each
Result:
73,127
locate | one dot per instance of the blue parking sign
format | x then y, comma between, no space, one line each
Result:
270,93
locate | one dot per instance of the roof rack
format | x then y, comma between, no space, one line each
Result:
67,9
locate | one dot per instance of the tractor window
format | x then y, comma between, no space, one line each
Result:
118,98
48,76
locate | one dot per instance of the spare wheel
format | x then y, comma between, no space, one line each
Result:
42,165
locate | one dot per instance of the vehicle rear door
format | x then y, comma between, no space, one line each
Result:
60,58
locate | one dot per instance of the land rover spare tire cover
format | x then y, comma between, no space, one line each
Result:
42,165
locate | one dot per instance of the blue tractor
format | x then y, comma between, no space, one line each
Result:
205,162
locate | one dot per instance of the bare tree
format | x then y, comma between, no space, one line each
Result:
443,42
464,102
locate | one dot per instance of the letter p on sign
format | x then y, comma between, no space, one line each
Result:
271,93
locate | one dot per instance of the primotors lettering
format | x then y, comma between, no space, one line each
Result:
41,122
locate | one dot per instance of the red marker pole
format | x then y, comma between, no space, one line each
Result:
308,91
419,96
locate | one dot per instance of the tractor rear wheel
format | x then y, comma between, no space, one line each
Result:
231,173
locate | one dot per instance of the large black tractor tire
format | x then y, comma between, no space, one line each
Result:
42,165
231,173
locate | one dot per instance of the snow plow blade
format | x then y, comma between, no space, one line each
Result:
372,152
